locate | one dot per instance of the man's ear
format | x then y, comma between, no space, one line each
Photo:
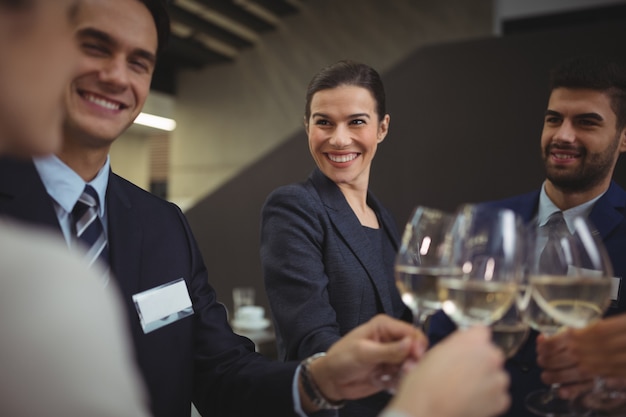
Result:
622,140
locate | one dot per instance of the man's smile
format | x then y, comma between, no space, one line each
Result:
101,101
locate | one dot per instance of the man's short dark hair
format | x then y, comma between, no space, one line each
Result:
600,73
16,4
159,11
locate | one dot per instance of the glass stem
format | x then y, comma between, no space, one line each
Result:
552,393
420,320
599,385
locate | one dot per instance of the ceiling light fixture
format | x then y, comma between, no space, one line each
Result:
157,122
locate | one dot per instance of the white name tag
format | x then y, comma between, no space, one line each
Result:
615,281
162,305
615,284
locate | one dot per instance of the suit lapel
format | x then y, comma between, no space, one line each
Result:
352,233
606,215
23,195
125,237
528,208
525,205
608,211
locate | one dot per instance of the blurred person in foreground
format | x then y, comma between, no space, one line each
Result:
584,132
49,298
148,244
461,377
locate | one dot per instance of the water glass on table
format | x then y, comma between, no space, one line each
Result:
242,296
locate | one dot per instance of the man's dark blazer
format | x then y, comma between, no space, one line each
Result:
323,276
150,244
609,218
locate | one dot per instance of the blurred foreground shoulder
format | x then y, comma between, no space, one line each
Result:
64,345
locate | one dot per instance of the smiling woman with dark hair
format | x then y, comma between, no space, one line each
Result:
328,245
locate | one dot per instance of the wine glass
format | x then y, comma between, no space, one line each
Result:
511,331
485,249
417,267
419,261
569,288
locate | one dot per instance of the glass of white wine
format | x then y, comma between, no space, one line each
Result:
570,288
419,263
511,331
486,246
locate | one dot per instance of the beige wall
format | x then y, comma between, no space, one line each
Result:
131,153
130,157
231,114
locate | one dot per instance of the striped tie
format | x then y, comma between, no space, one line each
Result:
552,259
88,227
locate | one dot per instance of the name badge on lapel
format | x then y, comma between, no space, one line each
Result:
616,283
162,305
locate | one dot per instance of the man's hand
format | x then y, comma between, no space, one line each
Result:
575,356
350,368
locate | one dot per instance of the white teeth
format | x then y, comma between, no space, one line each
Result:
562,156
103,103
342,158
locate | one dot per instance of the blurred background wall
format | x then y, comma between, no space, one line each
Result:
467,86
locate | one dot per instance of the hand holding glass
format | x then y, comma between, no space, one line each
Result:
570,288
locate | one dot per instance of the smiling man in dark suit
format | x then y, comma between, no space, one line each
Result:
584,132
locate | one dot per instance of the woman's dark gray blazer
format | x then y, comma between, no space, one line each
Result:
322,275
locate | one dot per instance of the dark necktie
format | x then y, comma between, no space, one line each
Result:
88,227
551,260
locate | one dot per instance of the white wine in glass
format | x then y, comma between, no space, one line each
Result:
509,336
419,263
418,288
537,318
571,301
469,302
418,266
570,288
486,245
511,331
